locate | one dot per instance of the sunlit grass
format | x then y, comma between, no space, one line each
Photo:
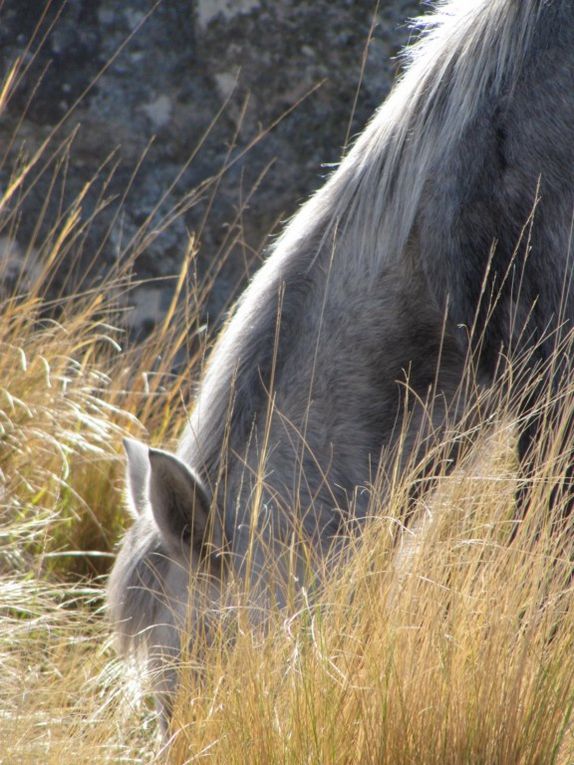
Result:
457,650
449,641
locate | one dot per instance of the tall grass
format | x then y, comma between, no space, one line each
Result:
447,641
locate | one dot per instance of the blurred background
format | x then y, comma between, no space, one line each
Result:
206,118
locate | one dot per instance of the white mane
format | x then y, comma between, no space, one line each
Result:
466,49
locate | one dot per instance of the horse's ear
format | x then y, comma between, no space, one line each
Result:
180,504
137,475
178,499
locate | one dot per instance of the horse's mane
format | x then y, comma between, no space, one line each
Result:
466,50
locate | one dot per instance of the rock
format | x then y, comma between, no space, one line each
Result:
226,110
207,10
145,309
20,269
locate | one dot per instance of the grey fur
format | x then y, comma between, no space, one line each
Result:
377,281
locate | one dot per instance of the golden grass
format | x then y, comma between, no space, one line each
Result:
458,650
70,389
448,643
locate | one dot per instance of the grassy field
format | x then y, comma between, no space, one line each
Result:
447,642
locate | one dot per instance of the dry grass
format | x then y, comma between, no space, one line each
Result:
447,643
459,649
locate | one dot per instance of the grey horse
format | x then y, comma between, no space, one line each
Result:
349,345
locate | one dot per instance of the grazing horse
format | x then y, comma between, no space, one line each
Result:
444,232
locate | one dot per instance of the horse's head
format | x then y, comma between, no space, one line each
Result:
168,576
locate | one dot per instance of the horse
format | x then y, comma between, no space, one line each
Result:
444,232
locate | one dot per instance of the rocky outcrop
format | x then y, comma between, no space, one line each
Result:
225,111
